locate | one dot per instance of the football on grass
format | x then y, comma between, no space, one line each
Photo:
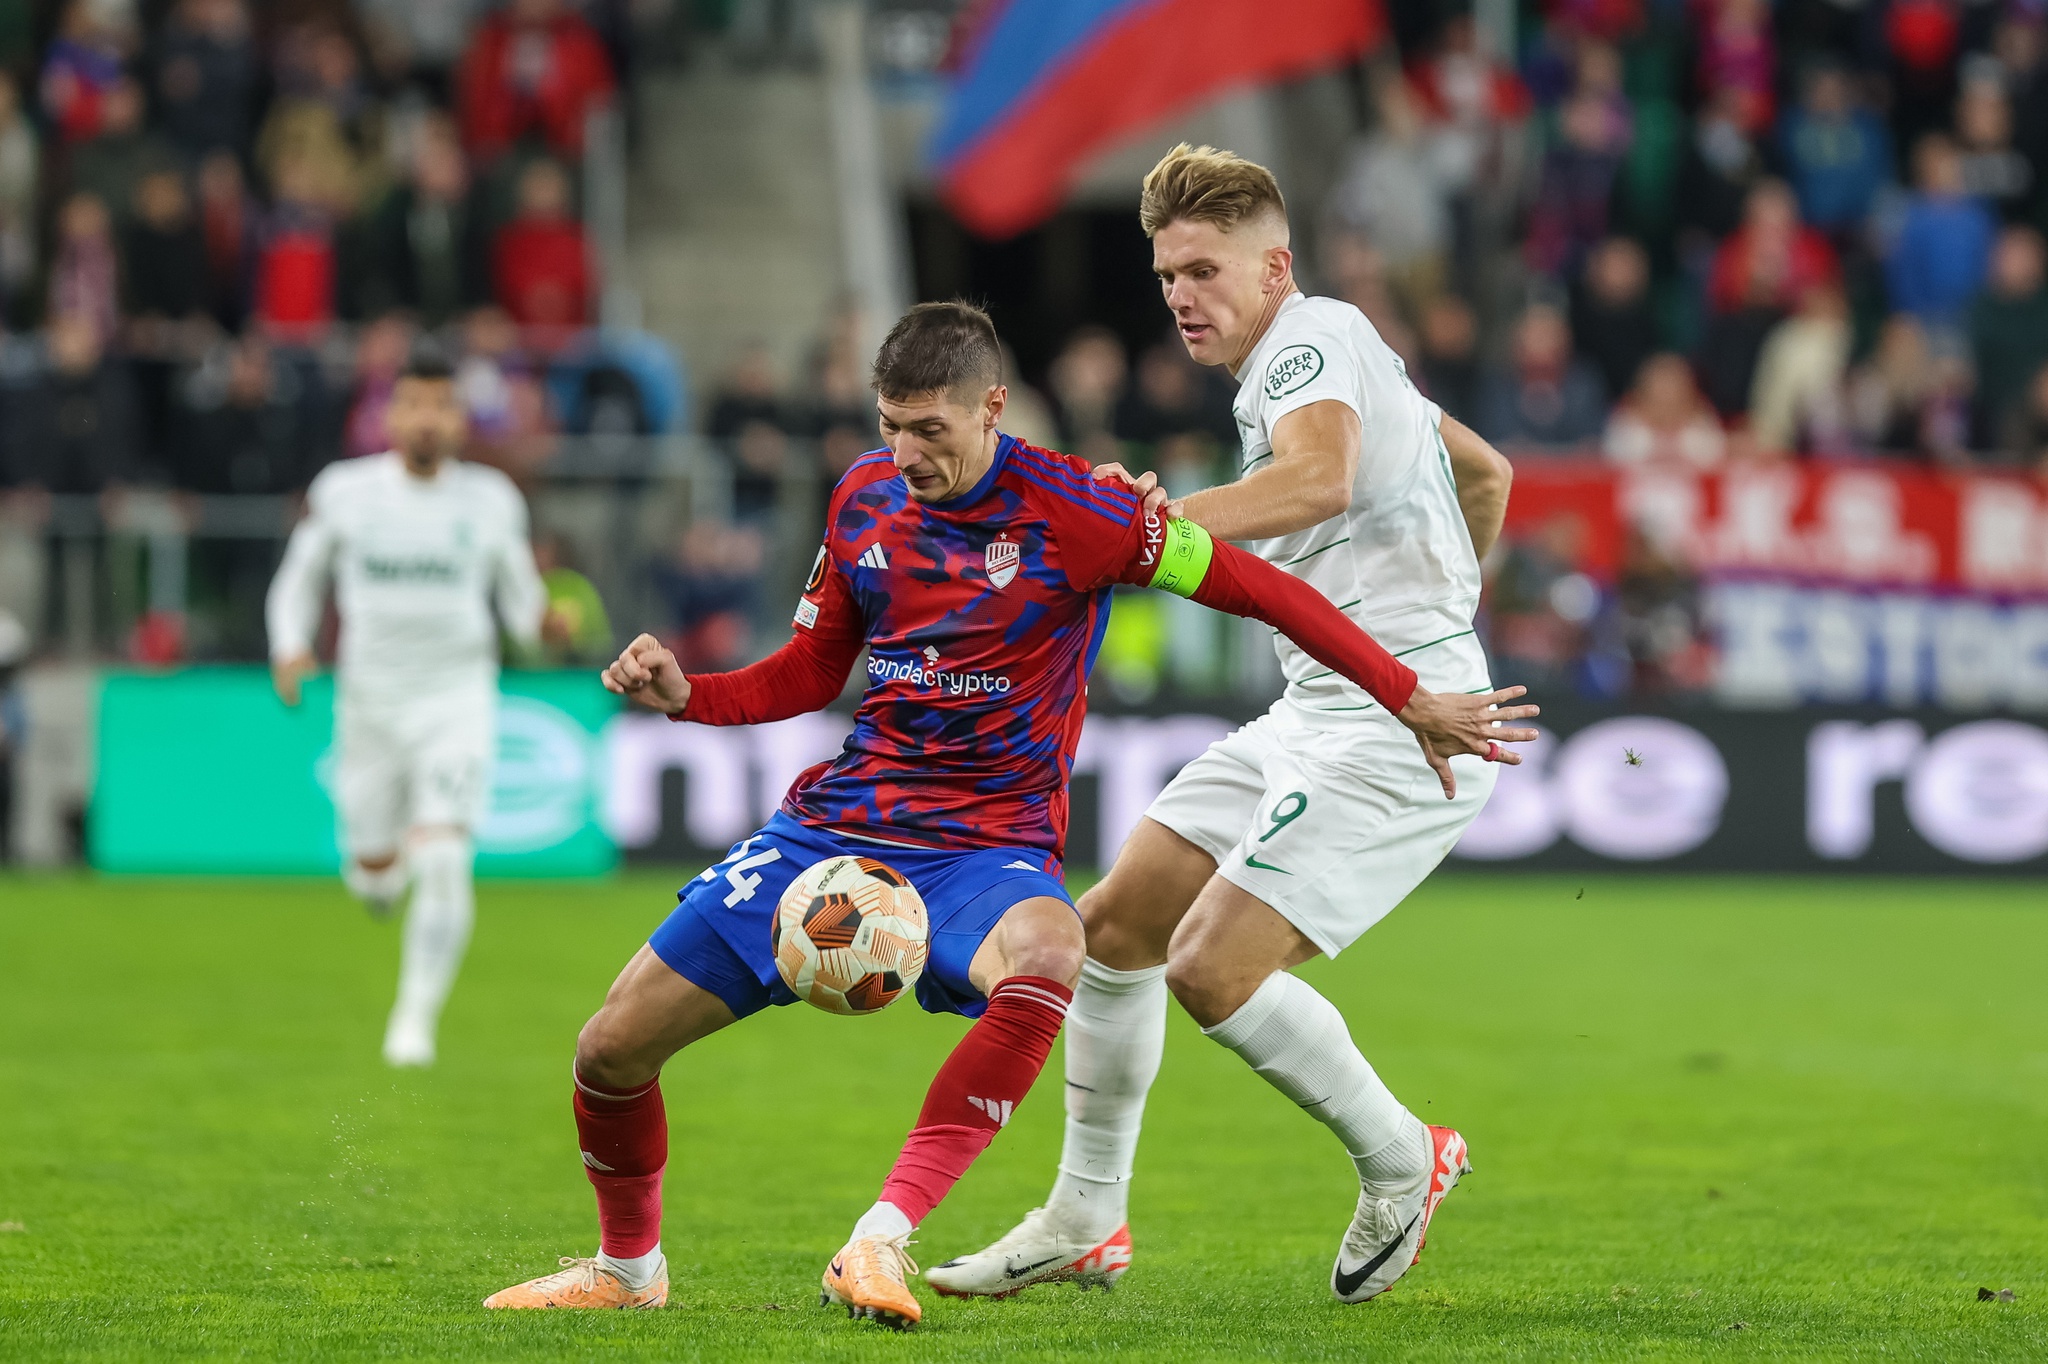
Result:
850,935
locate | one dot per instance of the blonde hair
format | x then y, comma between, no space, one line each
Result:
1204,185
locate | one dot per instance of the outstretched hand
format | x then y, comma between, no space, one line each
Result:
1448,724
1146,485
647,674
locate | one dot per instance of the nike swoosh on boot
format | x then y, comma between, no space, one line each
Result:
1348,1281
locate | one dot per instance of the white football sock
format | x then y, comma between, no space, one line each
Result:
1297,1040
437,925
635,1271
1116,1030
885,1220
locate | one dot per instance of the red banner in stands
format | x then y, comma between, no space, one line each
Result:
1866,524
1827,582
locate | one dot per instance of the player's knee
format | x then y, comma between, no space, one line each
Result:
606,1057
1208,994
1060,961
1121,934
1053,951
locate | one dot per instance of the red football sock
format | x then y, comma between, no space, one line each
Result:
625,1146
977,1089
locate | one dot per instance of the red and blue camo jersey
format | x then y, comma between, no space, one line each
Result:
981,617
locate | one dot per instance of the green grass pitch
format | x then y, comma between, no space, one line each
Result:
1724,1119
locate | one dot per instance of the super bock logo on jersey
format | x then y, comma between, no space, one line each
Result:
1002,561
1291,369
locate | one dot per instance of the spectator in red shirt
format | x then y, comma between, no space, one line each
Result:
533,69
294,291
1772,259
540,263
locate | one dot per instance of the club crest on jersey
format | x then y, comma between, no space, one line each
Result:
1002,560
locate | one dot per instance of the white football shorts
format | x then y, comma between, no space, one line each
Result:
423,761
1331,826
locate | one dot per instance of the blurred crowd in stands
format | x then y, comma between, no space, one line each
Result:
222,224
1698,231
1700,234
1685,232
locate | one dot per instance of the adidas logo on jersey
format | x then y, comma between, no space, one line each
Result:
999,1109
872,557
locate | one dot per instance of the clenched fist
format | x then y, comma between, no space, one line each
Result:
647,674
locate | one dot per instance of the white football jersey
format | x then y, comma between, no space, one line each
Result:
1399,561
416,566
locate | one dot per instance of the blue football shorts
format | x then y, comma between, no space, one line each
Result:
719,934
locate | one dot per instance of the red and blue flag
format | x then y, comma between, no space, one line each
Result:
1041,84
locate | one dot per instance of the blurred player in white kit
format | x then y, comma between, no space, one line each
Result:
418,546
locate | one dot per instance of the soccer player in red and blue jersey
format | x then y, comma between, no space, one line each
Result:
976,571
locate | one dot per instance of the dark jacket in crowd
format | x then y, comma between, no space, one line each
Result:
428,257
1560,414
164,272
1727,356
204,91
70,432
2010,339
262,428
1616,339
1453,383
1714,178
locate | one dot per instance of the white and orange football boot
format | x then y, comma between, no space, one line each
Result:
1386,1235
868,1277
1037,1251
583,1284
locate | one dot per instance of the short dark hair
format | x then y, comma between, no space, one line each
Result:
428,359
935,347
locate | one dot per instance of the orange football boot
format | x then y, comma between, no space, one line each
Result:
868,1277
583,1284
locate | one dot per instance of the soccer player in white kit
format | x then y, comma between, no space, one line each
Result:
1291,837
418,546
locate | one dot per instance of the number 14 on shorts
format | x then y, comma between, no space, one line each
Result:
739,869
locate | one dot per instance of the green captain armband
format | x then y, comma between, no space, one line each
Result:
1184,558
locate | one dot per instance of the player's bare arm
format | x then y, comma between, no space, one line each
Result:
1306,482
1483,476
1301,480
